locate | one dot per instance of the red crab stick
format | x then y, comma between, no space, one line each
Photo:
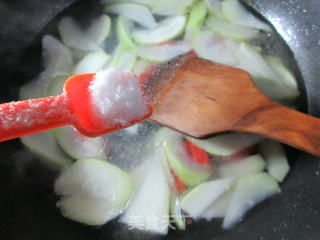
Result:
120,93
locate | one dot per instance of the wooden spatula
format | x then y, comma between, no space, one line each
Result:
200,98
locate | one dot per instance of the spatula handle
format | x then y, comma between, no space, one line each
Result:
283,124
31,116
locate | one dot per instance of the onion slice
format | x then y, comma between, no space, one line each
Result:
135,12
163,52
167,29
236,13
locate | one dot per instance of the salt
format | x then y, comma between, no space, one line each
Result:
117,97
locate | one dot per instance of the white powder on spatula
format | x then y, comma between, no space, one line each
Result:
117,97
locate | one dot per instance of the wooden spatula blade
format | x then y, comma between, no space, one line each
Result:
200,98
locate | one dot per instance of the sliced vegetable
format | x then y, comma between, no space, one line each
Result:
124,27
44,145
210,46
219,207
236,13
197,15
92,62
74,37
57,61
123,59
202,196
138,173
167,29
151,200
214,8
176,212
77,145
231,30
96,179
141,66
90,211
195,20
263,75
239,168
276,160
135,12
252,61
285,76
171,7
183,166
56,85
99,29
226,144
249,191
163,52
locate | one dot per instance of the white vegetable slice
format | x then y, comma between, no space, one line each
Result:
219,207
167,29
99,29
141,66
201,197
171,7
135,12
92,62
139,172
276,160
88,210
214,8
250,190
253,62
56,57
176,212
57,61
124,27
74,37
190,172
95,179
123,59
197,15
77,145
213,47
238,14
151,203
266,79
285,76
195,20
44,145
56,85
163,52
226,144
231,30
239,168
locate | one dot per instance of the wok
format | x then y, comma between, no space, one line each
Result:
27,201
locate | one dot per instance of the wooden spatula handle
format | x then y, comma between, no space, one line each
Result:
283,124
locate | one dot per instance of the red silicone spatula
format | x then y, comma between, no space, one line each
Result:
73,107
